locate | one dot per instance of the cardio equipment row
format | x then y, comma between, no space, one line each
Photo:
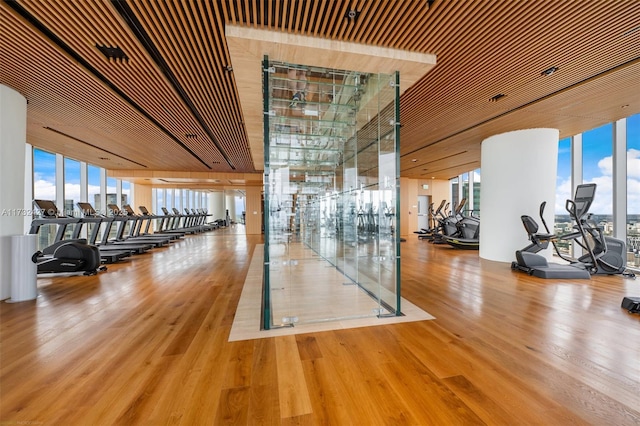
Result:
456,229
109,238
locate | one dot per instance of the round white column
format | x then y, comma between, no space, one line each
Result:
216,205
519,171
13,137
230,205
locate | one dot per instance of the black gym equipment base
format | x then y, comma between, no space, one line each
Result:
538,266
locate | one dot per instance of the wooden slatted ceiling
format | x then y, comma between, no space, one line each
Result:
484,47
84,24
93,114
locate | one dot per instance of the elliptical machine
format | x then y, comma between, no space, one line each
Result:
602,254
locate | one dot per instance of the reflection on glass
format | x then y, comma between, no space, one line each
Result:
331,192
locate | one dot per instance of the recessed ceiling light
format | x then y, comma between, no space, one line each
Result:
103,158
414,160
113,53
352,14
497,97
625,106
549,71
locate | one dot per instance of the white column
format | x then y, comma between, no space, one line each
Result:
620,179
28,187
576,179
60,193
216,205
13,137
519,171
230,204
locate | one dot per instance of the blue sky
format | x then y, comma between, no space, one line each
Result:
44,178
597,167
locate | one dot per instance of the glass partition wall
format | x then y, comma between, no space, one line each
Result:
331,185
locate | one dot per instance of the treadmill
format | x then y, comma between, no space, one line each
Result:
51,215
91,216
133,220
148,216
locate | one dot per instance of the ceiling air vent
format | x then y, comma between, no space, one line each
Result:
113,53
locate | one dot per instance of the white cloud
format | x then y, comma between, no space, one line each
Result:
633,164
633,196
44,189
603,202
72,191
563,193
606,166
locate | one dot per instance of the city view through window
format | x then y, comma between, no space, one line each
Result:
597,167
49,170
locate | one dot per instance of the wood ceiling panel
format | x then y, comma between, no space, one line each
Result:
484,47
68,100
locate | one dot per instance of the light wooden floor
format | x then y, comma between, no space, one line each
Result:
146,343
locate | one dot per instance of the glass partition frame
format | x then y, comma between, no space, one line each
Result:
331,190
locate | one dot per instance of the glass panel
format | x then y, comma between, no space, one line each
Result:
126,194
44,188
563,224
93,190
330,194
465,187
71,192
93,197
454,193
71,187
177,201
597,155
160,201
476,192
633,191
112,198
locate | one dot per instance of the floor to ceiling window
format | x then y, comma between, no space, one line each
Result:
563,193
476,192
44,188
633,189
44,175
126,194
93,188
71,187
597,167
